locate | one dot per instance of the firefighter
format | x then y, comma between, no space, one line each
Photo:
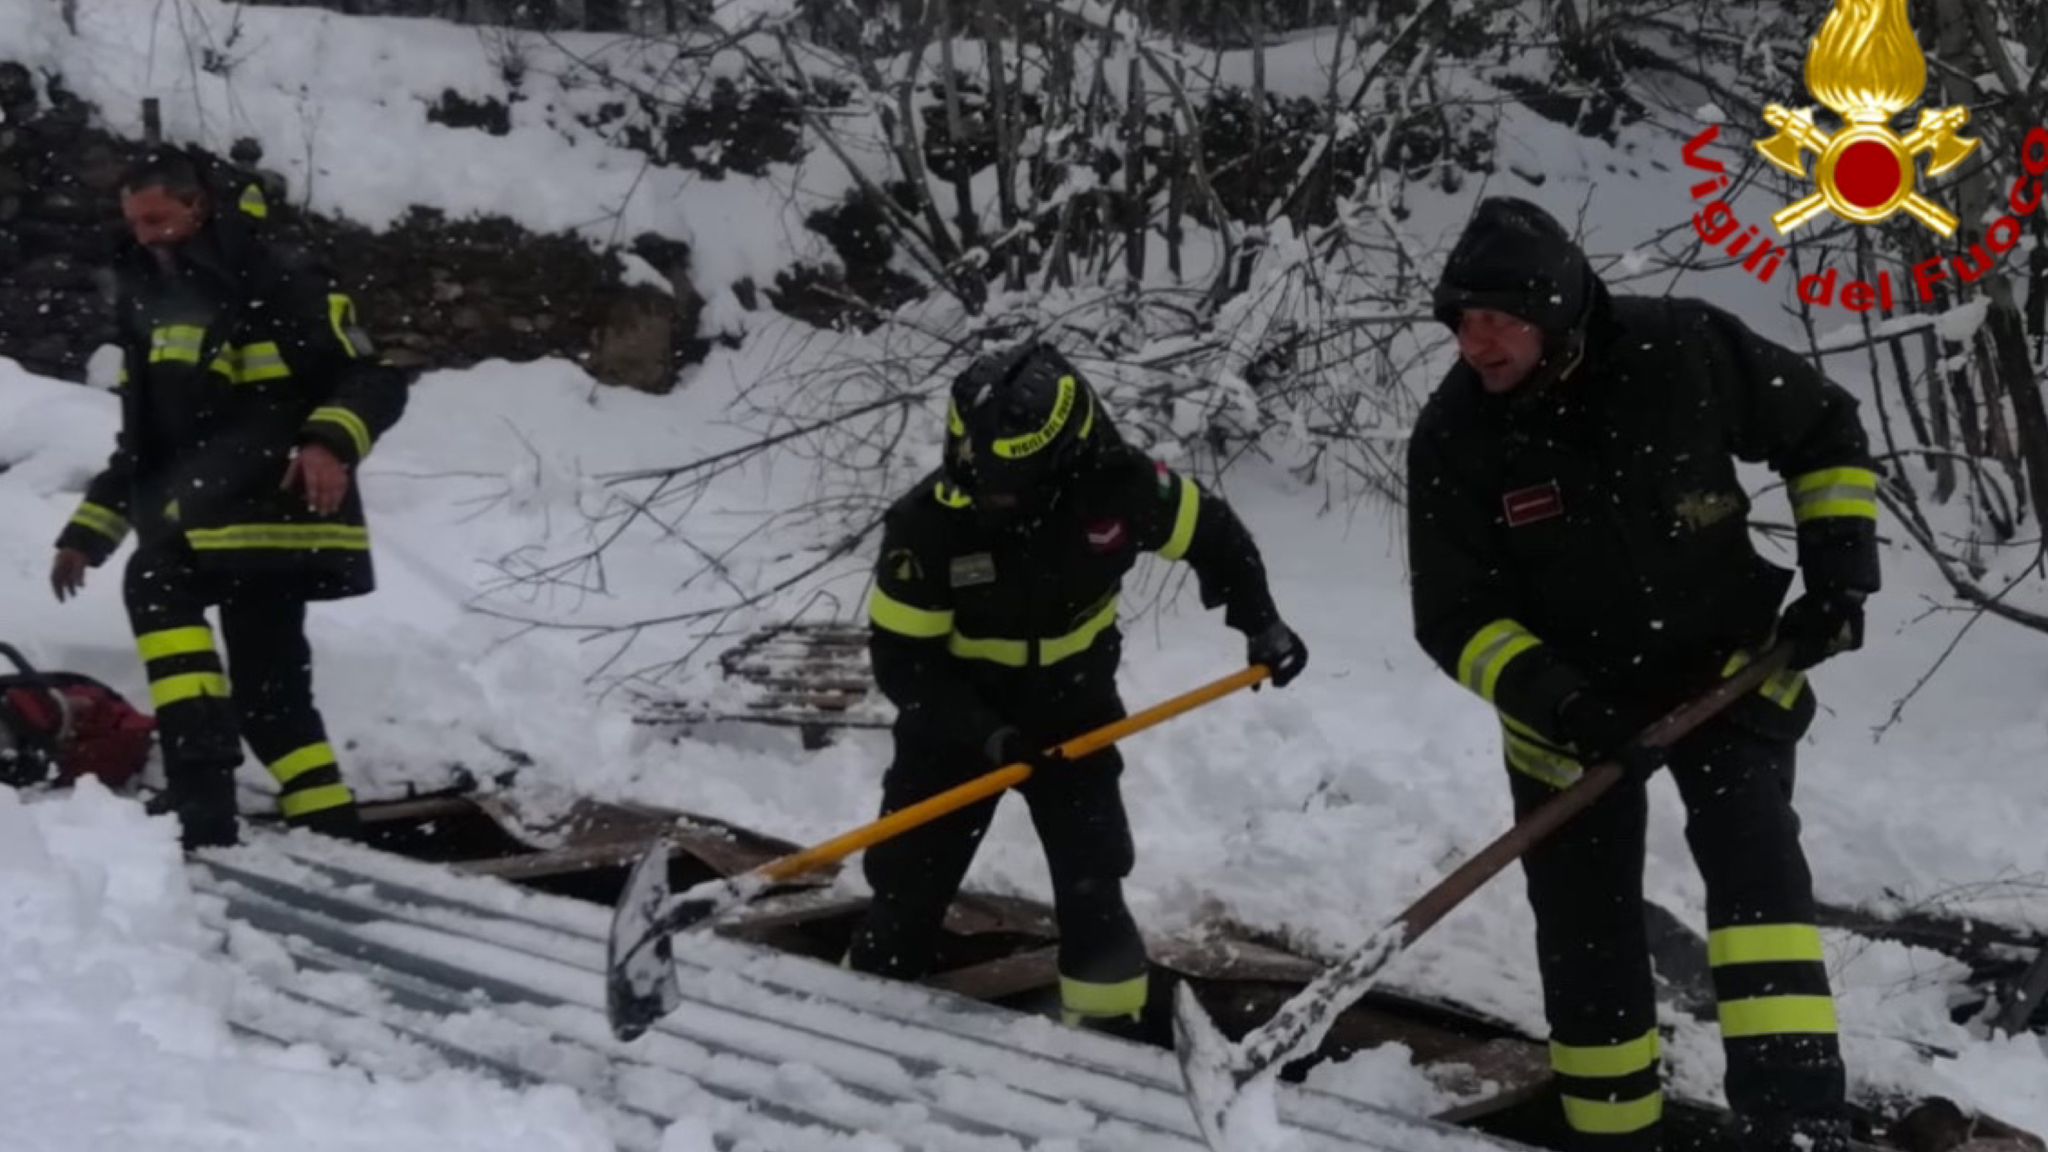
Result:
1582,562
248,395
994,633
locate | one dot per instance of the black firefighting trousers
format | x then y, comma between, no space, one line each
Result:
1777,1014
1079,815
200,723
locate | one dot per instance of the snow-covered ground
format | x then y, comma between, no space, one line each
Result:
1318,811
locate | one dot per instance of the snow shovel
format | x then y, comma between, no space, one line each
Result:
1230,1085
640,975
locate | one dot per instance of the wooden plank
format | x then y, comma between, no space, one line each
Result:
1226,959
555,862
1002,976
792,910
1520,1069
420,808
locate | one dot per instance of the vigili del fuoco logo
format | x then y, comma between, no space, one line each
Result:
1866,67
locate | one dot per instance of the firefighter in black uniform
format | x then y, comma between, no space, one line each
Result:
1582,561
994,634
248,393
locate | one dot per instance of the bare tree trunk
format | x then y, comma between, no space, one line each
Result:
1136,202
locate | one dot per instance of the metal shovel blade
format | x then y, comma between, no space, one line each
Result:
1208,1067
640,981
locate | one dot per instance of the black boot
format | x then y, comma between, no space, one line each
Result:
202,797
1794,1134
342,822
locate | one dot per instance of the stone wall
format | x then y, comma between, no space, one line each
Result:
433,292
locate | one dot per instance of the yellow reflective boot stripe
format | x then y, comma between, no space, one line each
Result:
280,537
104,521
1849,492
893,615
1086,998
358,432
1184,517
1488,654
1606,1061
175,642
1764,944
1018,447
308,801
187,686
1051,650
1613,1117
311,758
1777,1016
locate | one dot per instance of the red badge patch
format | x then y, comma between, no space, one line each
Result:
1106,535
1533,504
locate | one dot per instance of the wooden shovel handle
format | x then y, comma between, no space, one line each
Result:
982,787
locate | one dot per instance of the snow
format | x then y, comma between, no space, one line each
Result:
117,1011
1315,812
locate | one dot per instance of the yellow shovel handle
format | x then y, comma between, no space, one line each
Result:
982,787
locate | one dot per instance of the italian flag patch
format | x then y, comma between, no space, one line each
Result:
1165,478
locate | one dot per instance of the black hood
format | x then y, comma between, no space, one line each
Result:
1516,258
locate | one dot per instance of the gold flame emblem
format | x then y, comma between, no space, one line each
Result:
1866,66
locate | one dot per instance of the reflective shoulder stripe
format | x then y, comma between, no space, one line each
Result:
1184,518
1834,492
1488,654
252,202
104,521
347,421
893,615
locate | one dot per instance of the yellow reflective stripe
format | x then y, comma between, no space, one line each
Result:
1051,650
950,496
311,758
310,800
176,343
954,424
1613,1117
1532,756
307,537
1764,944
893,615
259,362
1846,492
104,521
187,686
1018,447
1184,518
1606,1061
341,313
1488,654
358,432
1089,999
1088,422
1781,687
252,203
175,642
1777,1016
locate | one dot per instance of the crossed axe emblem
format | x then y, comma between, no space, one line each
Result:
1866,172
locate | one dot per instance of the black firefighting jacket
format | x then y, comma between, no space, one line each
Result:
1594,533
974,629
228,365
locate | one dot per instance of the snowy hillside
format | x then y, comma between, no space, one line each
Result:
1316,812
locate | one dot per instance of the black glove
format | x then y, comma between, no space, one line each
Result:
1280,650
1006,746
1821,624
1598,732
